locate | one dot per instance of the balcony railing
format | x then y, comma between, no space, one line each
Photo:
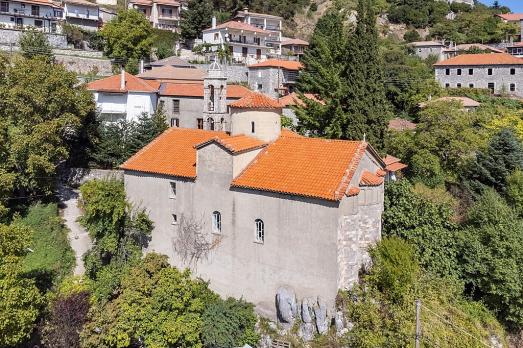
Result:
35,14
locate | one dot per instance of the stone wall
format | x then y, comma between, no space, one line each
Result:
234,73
78,176
85,65
9,37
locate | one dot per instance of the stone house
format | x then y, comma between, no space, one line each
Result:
425,49
292,100
163,14
124,96
274,77
247,43
510,17
293,47
44,15
256,208
498,72
82,13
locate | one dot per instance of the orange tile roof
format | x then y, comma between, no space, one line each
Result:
235,144
310,167
171,153
396,166
255,100
369,179
278,63
196,90
239,26
482,59
132,84
390,159
294,42
294,99
353,191
381,172
289,133
511,17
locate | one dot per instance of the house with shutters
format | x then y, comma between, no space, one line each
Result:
274,77
43,15
256,208
498,72
162,14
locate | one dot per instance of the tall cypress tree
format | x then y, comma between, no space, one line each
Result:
348,78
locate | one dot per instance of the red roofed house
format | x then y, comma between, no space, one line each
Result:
44,15
124,96
498,72
510,17
249,43
163,14
274,77
276,209
295,47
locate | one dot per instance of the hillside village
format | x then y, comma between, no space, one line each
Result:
261,174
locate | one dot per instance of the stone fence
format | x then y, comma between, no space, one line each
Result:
10,37
77,176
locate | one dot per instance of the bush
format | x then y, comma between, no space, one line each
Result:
229,323
52,257
412,35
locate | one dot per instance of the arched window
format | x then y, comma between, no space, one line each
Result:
259,231
210,121
211,98
222,124
216,222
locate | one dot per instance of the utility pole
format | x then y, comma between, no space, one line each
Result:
418,323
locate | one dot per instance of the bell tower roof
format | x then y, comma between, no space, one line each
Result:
215,71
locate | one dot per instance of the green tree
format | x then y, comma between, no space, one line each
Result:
515,191
147,128
155,306
34,43
492,167
229,323
195,18
492,257
41,111
412,35
20,299
128,37
426,224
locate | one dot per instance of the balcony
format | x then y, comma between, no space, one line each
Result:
27,13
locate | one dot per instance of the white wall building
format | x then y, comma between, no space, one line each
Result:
82,13
248,44
124,96
270,23
43,15
163,14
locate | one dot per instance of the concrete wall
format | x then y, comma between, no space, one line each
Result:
48,17
309,244
132,104
501,77
427,51
12,36
86,17
267,123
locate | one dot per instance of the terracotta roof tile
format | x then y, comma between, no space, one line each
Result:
256,100
390,159
511,17
294,99
279,63
289,42
289,133
171,153
369,179
381,172
353,191
482,59
396,166
132,84
239,26
235,144
196,90
309,167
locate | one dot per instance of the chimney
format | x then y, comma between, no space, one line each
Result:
122,79
213,21
245,10
141,66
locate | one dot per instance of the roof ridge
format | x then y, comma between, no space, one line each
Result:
143,149
349,172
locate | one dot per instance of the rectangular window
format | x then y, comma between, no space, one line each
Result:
257,41
489,71
458,72
4,6
491,86
216,36
38,23
174,219
35,10
471,71
244,51
471,85
175,122
260,86
161,105
512,87
447,85
458,85
199,122
252,127
447,71
176,106
512,71
172,189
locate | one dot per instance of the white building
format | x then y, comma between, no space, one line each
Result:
44,15
124,96
248,44
270,23
163,14
82,13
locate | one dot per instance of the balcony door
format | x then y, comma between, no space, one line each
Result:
258,54
19,22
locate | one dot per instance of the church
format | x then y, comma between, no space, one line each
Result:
252,207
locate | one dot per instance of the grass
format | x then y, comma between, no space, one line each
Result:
52,257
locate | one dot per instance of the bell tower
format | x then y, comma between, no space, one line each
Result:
215,113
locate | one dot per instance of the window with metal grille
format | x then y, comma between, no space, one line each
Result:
216,222
259,231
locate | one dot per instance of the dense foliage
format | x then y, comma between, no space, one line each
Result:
346,74
33,43
195,18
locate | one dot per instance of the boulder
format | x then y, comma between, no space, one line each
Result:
306,331
322,320
286,307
